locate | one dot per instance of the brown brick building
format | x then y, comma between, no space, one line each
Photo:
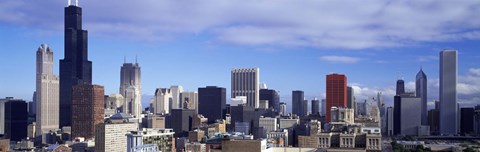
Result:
87,109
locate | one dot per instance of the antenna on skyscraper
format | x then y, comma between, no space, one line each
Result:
136,60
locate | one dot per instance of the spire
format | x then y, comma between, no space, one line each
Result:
136,59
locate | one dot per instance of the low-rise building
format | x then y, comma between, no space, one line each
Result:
110,135
163,138
195,147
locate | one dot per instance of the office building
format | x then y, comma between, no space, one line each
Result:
87,109
163,139
74,67
476,121
270,124
350,98
132,102
315,106
324,107
245,82
434,121
47,89
407,109
283,108
285,123
212,102
182,121
114,101
189,100
400,87
361,108
131,88
273,98
243,114
110,135
298,103
336,92
340,114
16,119
466,120
389,121
448,92
162,101
421,92
176,90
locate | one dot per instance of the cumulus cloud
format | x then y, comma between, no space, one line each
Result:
340,59
310,23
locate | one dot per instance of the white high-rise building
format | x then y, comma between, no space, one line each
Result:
132,104
245,82
448,92
47,89
176,103
162,100
283,108
131,89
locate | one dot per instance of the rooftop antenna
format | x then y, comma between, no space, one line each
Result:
136,60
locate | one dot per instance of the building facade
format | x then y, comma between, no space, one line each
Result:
298,103
189,100
448,92
74,67
316,106
131,88
245,82
16,119
421,83
212,102
407,109
47,89
336,92
110,136
163,138
273,98
87,109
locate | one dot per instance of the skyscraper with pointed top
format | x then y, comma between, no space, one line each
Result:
47,97
130,88
74,68
421,92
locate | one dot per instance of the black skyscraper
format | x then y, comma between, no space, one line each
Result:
211,102
16,120
273,98
466,120
299,104
181,121
400,87
316,106
397,104
75,67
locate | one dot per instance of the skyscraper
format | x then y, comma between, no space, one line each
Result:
298,101
421,92
283,108
350,98
16,119
336,92
316,106
448,92
212,102
189,100
47,98
272,96
245,82
162,100
75,67
400,87
131,88
405,114
176,102
87,109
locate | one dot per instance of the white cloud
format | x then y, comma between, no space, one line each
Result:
311,23
340,59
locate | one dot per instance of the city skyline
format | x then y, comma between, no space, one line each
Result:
309,62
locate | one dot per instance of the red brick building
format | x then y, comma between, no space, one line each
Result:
87,109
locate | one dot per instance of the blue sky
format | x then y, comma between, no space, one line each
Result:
295,44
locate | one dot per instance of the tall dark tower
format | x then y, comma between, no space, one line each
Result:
74,68
400,87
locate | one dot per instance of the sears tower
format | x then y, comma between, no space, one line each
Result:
74,68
